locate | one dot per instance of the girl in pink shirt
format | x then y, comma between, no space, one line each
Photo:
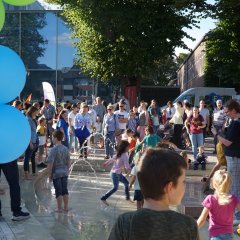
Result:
220,208
120,163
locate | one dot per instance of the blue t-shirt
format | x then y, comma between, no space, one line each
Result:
64,125
151,140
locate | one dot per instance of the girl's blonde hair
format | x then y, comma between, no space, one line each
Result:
221,182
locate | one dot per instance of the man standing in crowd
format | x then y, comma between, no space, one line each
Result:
126,103
219,119
48,110
99,108
204,112
122,116
11,173
170,110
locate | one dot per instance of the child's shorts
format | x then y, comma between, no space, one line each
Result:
41,149
138,195
60,185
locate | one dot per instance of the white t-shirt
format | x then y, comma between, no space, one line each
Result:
136,183
170,112
204,113
122,115
72,116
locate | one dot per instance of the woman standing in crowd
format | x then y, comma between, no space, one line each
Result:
143,120
177,120
194,125
110,124
31,116
62,125
231,141
83,122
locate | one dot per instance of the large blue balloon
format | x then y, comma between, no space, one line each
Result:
15,133
12,75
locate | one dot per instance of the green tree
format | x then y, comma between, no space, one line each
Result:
165,70
127,39
222,66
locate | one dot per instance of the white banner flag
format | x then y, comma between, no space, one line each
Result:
49,93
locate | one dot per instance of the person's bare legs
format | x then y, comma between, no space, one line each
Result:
214,169
65,202
139,204
59,203
26,176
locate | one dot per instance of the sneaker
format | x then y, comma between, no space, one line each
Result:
20,216
42,165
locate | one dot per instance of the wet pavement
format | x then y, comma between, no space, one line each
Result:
88,218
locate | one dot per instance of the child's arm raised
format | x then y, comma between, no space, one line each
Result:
202,219
108,162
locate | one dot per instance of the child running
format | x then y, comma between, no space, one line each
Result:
120,162
220,208
58,168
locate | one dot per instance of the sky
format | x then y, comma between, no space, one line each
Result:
205,26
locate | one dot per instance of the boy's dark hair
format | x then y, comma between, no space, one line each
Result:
232,104
58,135
121,148
136,135
158,167
47,101
150,129
129,131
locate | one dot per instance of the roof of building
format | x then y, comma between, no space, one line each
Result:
191,53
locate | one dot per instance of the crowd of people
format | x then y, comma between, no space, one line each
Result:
135,141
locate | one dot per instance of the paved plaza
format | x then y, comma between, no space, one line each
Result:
88,218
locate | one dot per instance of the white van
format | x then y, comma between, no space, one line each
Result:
209,94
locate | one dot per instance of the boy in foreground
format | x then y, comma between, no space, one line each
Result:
58,169
161,175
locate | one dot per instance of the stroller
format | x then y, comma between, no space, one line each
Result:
166,132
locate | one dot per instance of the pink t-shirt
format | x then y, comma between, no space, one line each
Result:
119,163
220,216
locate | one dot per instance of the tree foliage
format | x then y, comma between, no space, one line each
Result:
165,70
128,37
222,67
